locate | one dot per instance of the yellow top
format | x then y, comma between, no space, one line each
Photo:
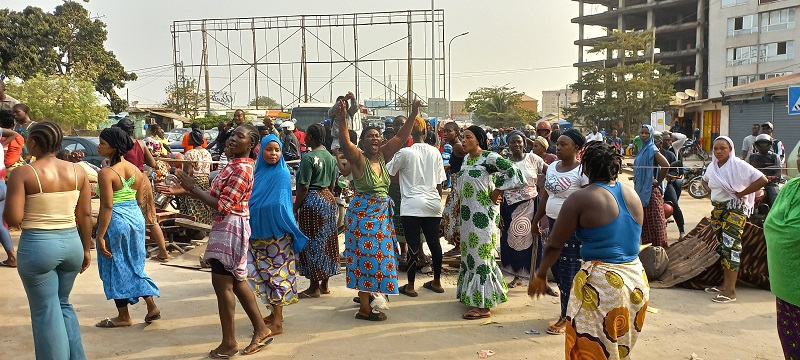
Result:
50,211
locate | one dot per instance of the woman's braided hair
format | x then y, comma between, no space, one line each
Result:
47,136
601,161
316,132
252,133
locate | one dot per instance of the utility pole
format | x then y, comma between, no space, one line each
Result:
409,82
255,60
433,49
305,65
205,66
450,74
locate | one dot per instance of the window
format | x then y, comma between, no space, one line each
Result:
731,81
742,55
773,75
777,20
727,3
742,25
777,51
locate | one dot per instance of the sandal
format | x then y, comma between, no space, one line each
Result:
475,314
214,354
374,315
404,290
551,291
713,290
148,319
6,264
429,285
107,323
160,259
722,299
559,328
452,253
514,283
259,346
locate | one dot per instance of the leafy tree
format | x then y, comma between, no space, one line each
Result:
498,106
628,92
265,102
68,101
66,42
211,121
183,97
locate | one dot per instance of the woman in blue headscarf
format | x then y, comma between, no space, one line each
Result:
275,237
647,179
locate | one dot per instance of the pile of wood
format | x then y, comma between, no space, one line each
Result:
694,261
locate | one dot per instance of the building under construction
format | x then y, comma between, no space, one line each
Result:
680,34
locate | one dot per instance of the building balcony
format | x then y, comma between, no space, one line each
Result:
664,55
688,28
609,18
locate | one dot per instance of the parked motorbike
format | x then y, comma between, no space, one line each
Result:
761,207
695,186
693,146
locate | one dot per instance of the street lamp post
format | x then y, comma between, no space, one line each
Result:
450,74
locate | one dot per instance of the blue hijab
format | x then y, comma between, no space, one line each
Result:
643,168
271,212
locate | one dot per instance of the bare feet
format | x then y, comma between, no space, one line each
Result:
269,319
307,294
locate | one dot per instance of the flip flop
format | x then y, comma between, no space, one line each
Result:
260,346
452,253
107,323
403,290
713,290
429,285
475,315
557,329
514,283
5,263
161,260
149,319
551,291
305,295
214,354
722,299
373,316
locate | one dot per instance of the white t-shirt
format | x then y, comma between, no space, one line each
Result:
748,144
530,166
421,169
560,185
594,137
678,144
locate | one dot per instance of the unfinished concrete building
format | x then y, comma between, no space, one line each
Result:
680,34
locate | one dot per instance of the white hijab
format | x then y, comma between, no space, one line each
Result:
734,176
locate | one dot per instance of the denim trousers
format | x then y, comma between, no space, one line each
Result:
5,237
48,261
566,267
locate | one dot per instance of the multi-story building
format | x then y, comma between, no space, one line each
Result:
680,34
554,101
751,40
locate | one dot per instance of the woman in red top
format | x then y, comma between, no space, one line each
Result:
229,239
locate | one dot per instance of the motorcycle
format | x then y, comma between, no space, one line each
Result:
695,186
693,147
761,207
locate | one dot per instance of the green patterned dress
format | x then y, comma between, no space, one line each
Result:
480,282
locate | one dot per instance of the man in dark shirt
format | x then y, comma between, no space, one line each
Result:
672,191
768,163
222,136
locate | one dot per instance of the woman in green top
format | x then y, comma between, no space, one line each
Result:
120,232
783,259
316,209
370,242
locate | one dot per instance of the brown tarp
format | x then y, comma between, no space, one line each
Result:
694,262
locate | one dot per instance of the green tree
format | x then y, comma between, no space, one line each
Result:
627,92
183,97
265,102
498,106
66,42
68,101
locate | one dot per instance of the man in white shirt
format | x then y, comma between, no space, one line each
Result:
678,140
594,136
748,145
421,172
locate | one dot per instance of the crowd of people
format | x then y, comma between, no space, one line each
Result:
553,204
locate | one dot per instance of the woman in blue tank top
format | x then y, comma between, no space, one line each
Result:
608,301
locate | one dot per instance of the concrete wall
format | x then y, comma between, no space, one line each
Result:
719,42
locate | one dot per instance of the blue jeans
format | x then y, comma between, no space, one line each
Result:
48,262
5,237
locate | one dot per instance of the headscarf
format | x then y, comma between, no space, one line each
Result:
480,136
126,125
543,142
196,135
119,140
420,125
735,175
271,213
576,137
643,168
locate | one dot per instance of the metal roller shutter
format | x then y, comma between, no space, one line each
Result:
742,117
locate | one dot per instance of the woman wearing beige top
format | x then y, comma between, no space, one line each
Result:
45,199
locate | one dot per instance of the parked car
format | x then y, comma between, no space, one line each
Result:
176,138
86,144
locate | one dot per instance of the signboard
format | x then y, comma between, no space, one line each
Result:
437,107
794,100
657,120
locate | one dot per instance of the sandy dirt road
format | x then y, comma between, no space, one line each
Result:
426,327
